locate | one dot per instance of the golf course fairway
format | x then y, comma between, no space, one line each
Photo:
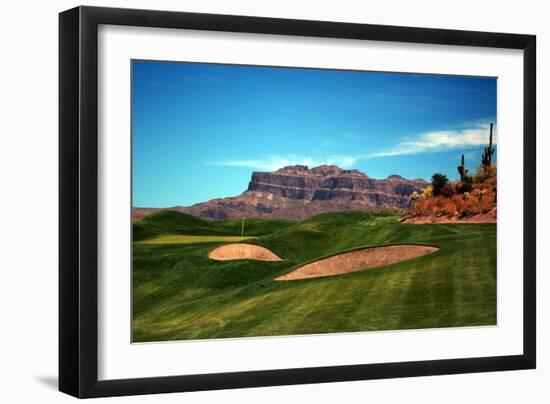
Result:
179,293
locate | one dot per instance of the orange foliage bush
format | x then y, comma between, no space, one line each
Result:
481,199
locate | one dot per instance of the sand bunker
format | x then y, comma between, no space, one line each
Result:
358,260
242,251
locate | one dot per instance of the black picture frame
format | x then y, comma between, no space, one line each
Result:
78,201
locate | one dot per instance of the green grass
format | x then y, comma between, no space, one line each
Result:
178,293
168,222
186,239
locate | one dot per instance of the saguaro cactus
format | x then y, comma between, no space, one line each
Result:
462,170
487,156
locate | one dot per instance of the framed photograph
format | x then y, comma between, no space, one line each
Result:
250,201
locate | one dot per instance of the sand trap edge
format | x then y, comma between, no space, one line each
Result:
242,251
400,252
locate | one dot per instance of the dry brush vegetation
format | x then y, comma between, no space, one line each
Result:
459,199
472,197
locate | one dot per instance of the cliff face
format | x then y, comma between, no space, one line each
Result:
297,192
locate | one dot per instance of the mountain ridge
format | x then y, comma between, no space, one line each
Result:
297,192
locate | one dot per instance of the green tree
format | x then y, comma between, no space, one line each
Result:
438,182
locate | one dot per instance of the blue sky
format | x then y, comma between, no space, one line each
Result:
199,130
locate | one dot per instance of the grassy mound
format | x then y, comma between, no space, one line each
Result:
169,222
189,239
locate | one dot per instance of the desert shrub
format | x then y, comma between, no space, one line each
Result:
470,207
486,202
471,196
448,190
491,181
436,205
438,182
480,200
484,173
427,192
422,207
449,207
465,185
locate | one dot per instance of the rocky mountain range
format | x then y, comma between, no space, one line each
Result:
298,192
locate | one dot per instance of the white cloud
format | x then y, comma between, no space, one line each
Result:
473,135
274,162
434,141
